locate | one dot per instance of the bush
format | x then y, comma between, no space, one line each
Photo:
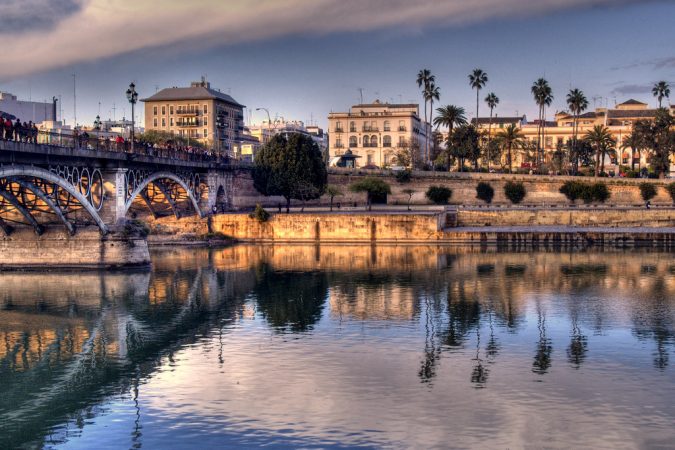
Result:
260,214
587,192
647,191
485,192
403,176
671,190
439,194
515,192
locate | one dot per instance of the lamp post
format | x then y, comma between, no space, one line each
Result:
269,121
132,96
97,123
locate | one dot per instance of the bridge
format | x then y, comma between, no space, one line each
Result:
44,186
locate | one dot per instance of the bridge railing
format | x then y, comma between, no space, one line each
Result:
94,143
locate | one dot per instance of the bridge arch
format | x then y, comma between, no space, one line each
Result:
14,173
162,176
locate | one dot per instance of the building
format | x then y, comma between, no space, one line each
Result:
35,112
265,131
376,132
619,120
197,112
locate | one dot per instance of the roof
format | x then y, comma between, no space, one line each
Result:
631,101
191,93
498,120
619,114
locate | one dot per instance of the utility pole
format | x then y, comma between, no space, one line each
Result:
74,101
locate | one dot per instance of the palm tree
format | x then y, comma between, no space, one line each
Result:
661,90
511,138
600,138
431,93
633,142
492,101
477,80
543,96
577,102
450,116
424,79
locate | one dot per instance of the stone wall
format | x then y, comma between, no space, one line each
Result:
541,190
584,217
57,249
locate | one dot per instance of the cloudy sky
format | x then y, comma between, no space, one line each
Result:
304,58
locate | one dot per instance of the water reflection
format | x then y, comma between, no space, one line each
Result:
205,335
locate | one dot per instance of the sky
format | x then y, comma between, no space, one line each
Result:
302,59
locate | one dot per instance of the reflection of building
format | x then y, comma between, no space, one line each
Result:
619,120
196,112
376,132
35,112
385,302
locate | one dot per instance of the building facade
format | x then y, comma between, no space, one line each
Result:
265,131
376,132
197,112
619,120
25,111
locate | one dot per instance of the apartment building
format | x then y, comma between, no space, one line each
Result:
375,132
197,112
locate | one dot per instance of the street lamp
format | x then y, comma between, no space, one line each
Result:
269,121
132,96
97,123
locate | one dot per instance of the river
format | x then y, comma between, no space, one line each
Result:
343,347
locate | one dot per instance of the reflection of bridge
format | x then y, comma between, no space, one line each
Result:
42,184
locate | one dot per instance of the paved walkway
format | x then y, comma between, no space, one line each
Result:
563,229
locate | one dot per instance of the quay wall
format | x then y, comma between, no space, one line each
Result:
57,249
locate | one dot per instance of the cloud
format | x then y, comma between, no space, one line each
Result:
656,64
79,31
633,89
20,16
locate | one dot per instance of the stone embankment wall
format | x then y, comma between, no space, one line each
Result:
579,217
57,249
541,190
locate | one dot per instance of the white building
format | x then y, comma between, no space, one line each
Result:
25,111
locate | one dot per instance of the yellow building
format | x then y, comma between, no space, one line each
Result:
375,132
197,112
619,120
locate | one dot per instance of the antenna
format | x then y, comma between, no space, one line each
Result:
74,101
156,88
361,94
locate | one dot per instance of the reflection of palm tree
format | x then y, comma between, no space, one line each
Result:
576,352
542,357
431,353
492,348
479,374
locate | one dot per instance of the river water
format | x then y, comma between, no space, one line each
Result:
343,347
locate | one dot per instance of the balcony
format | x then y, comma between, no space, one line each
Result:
187,124
187,112
387,128
402,129
338,145
339,130
352,130
371,129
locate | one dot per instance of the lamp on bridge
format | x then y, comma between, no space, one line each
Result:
132,96
97,123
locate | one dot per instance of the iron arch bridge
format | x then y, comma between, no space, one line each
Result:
43,185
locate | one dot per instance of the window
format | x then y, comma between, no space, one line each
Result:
353,142
206,121
401,142
206,109
163,122
387,126
154,121
338,127
374,141
171,121
206,133
386,159
154,110
171,109
401,125
386,141
338,143
370,159
352,127
164,110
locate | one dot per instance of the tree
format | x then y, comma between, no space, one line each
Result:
492,101
633,142
577,102
601,140
333,191
647,191
511,138
661,139
373,187
463,144
431,93
661,90
515,192
543,97
424,80
477,80
485,192
409,193
291,167
450,116
439,194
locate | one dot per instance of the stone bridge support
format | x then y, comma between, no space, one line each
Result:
221,191
113,211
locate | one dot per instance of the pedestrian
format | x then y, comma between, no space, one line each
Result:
649,204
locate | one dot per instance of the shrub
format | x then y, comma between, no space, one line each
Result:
647,191
260,214
485,192
403,176
515,192
598,192
671,190
572,190
587,192
439,194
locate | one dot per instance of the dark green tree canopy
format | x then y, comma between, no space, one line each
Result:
463,144
291,167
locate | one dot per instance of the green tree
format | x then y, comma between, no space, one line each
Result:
492,101
661,139
409,193
463,145
510,138
373,187
543,97
485,192
439,194
647,191
431,93
602,142
477,80
515,192
450,116
577,102
291,167
333,191
661,90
